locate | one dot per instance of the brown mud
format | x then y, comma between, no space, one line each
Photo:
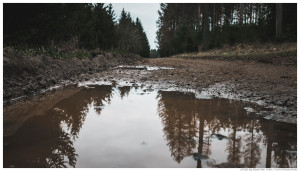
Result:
33,107
26,75
270,85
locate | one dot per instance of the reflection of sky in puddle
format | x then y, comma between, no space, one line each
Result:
109,126
143,67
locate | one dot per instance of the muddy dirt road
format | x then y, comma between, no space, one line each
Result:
274,86
262,83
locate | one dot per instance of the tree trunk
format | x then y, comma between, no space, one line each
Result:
269,144
213,17
250,12
221,19
241,14
200,146
205,27
278,19
199,16
234,145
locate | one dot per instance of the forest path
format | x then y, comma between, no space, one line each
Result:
270,85
263,83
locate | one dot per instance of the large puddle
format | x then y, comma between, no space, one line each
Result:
113,126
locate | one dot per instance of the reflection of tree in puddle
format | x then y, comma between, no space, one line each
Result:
287,157
189,123
73,110
187,120
280,135
234,142
179,128
43,142
124,91
252,151
40,142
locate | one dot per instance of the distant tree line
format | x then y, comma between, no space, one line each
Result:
192,27
94,25
154,53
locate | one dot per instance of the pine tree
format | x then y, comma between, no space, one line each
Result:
184,27
145,48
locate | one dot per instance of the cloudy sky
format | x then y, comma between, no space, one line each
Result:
147,13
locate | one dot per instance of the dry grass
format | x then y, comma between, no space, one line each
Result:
244,50
285,53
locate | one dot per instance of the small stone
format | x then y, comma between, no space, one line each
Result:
269,117
249,109
278,103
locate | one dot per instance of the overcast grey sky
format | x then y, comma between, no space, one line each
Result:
147,13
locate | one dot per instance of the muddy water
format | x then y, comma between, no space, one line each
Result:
111,126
